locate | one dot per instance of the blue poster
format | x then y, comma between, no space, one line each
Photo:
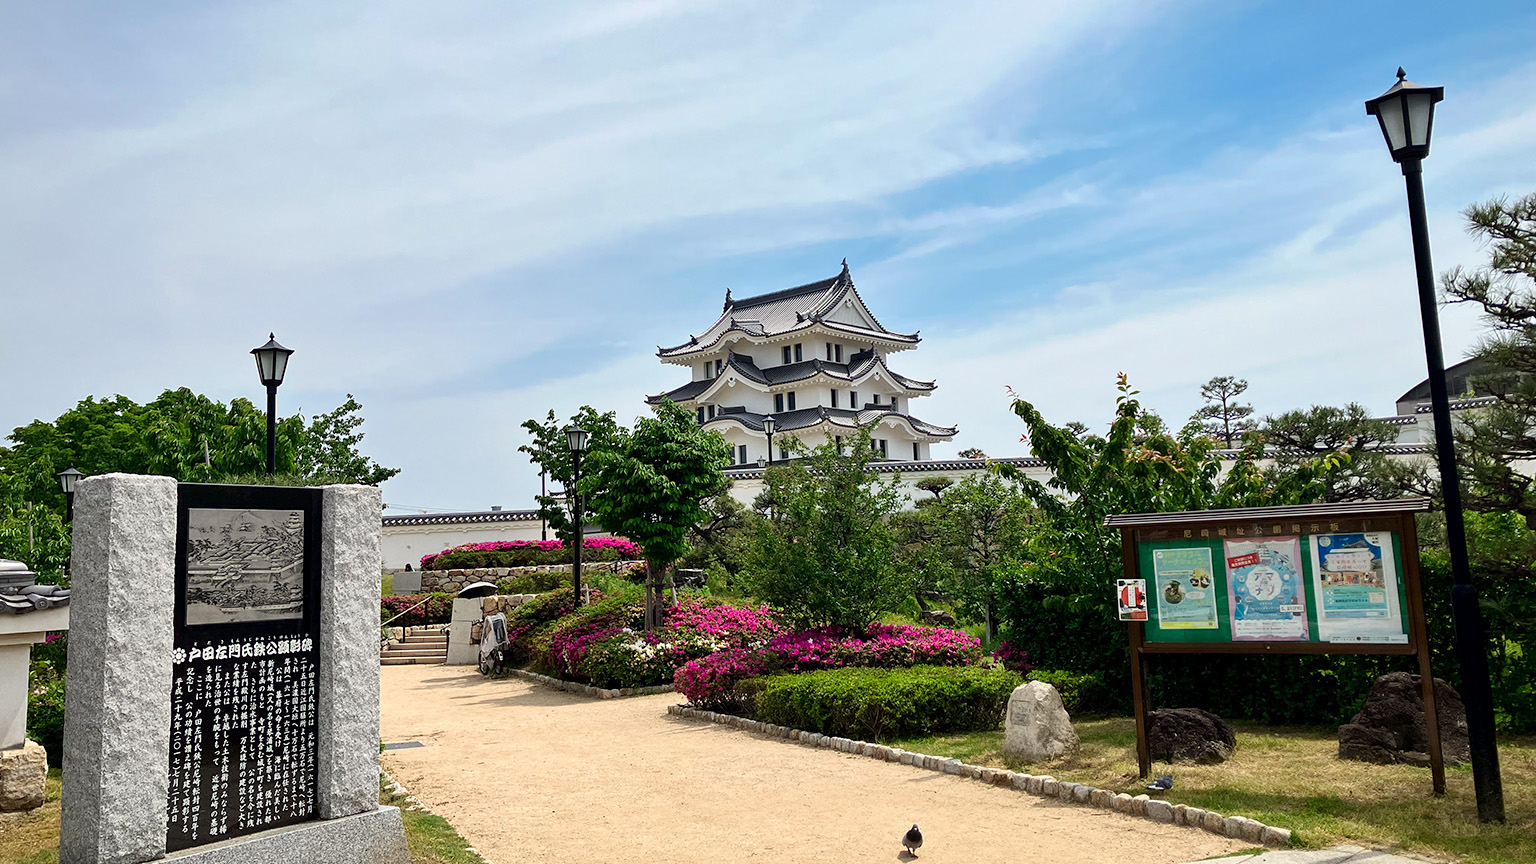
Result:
1264,590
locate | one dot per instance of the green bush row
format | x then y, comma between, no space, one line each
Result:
45,697
881,704
533,583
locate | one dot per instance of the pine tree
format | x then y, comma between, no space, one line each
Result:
1223,416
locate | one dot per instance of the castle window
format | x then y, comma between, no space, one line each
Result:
883,443
834,397
893,403
719,364
837,350
853,399
915,455
798,356
711,412
877,398
829,350
791,401
778,403
741,455
786,355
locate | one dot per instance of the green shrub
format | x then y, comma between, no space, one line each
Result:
533,583
45,699
880,704
1081,692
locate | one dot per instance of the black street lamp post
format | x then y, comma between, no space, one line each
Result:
768,426
67,480
1406,113
576,439
272,365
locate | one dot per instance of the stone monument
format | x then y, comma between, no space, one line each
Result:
223,676
1037,725
28,613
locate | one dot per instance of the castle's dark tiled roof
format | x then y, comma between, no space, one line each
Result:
781,312
847,418
860,365
478,516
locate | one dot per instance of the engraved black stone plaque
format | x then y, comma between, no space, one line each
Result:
243,692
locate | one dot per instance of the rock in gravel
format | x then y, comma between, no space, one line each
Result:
1139,805
1037,726
1159,811
1214,823
1189,735
1272,836
1391,727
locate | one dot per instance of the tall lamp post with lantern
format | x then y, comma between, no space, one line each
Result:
769,425
576,439
67,480
272,365
1406,113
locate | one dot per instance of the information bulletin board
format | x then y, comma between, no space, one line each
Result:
1311,579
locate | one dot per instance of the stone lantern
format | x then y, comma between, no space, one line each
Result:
28,612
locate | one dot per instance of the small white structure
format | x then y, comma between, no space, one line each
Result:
814,360
23,764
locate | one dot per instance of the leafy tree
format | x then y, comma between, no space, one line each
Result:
934,486
825,553
1299,437
1132,469
550,451
184,435
650,485
1223,416
984,524
1493,441
720,538
972,453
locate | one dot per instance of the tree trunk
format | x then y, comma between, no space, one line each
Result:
991,621
650,596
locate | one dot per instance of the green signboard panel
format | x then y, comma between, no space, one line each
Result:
1334,588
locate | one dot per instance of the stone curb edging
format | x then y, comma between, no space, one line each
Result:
411,802
587,689
1145,806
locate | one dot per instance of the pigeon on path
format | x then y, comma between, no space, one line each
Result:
913,841
1161,784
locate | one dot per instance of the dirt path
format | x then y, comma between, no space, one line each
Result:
532,774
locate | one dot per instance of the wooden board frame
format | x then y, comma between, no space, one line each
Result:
1396,516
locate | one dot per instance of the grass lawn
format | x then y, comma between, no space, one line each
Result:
33,838
1292,777
386,585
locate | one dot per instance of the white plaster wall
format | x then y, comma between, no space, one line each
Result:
405,544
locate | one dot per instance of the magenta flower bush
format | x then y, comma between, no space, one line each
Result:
712,680
521,553
730,625
437,610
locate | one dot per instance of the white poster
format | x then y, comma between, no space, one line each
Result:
1354,577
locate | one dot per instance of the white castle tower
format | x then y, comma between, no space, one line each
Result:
813,359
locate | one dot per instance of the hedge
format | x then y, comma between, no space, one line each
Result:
1081,692
881,704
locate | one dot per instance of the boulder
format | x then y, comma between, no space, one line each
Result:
937,618
1189,735
1037,726
23,777
1391,727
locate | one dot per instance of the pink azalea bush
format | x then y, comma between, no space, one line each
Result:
527,552
604,646
712,680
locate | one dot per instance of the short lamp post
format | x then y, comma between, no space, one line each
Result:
272,365
769,425
576,438
67,480
1406,113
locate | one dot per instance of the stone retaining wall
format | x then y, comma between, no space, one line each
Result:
454,581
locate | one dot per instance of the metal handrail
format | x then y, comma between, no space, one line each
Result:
384,636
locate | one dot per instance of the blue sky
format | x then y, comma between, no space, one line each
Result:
468,214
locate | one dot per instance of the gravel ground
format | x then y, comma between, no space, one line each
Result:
527,773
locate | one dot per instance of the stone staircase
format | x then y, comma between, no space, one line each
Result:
426,647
